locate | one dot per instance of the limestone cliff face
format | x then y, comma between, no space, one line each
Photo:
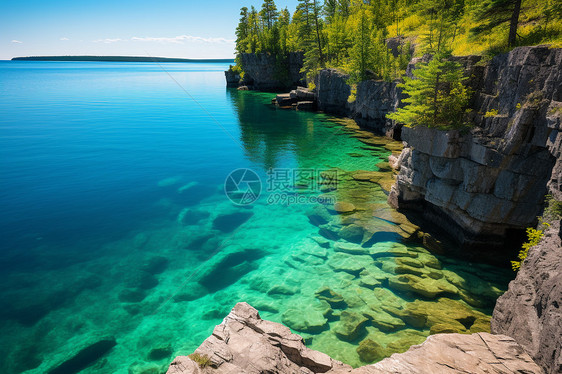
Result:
373,100
481,185
265,73
333,91
531,310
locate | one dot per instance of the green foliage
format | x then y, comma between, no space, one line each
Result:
534,236
351,34
437,95
491,113
442,17
202,360
494,13
553,209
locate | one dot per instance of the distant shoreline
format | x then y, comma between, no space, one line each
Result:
116,59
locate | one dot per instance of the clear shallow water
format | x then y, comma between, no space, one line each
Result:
116,226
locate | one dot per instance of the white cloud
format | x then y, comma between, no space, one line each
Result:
64,39
183,38
180,39
16,41
108,40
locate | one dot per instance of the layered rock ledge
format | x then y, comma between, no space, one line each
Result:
483,186
244,343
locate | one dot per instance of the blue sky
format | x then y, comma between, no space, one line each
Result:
166,28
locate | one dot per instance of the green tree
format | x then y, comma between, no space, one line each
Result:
437,95
242,32
361,54
254,44
269,13
442,23
338,39
497,12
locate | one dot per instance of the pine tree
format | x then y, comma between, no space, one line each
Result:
443,16
437,96
242,32
268,13
498,12
361,54
254,31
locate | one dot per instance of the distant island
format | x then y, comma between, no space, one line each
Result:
116,59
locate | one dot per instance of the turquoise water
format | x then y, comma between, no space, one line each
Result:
116,227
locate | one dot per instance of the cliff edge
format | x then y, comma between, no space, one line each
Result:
488,184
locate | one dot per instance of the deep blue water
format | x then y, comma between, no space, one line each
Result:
115,224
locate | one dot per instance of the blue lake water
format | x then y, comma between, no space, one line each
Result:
116,226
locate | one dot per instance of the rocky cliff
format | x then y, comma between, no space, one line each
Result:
531,310
267,72
245,344
373,100
484,185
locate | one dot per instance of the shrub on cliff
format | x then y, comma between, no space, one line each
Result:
437,96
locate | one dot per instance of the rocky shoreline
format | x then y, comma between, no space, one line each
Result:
245,344
483,187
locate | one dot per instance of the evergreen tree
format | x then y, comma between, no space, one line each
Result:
443,15
361,54
268,13
339,39
254,44
242,32
437,96
284,22
497,12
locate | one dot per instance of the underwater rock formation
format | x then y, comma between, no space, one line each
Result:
244,343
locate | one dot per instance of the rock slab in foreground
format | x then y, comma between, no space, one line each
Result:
531,310
245,344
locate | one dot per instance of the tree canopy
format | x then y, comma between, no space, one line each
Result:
353,35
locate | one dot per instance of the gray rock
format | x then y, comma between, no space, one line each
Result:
481,185
306,105
333,91
530,311
261,71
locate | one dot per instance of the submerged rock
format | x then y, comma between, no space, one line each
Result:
352,233
85,357
309,319
230,222
333,298
350,326
349,263
370,351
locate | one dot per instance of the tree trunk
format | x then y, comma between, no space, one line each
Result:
316,16
435,92
511,41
